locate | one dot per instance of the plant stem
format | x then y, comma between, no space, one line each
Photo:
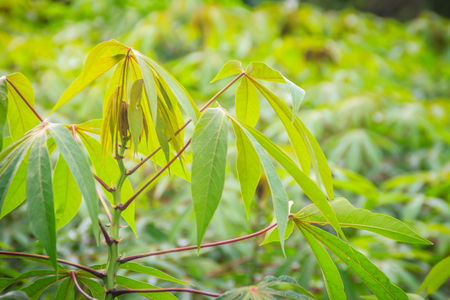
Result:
26,102
187,123
130,291
61,261
133,257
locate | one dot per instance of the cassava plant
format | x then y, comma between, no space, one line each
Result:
142,114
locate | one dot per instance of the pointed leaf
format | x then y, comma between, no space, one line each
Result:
15,295
134,284
247,102
81,171
376,280
274,236
96,289
17,192
150,271
41,210
35,290
92,126
66,290
209,150
230,68
349,216
135,114
26,275
3,108
20,117
66,193
437,276
248,167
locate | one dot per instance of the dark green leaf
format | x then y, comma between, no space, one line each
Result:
97,290
150,271
134,284
66,290
15,295
35,289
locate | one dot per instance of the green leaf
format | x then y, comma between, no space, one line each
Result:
66,290
149,84
279,197
349,216
247,102
376,280
15,295
135,114
410,297
96,289
184,99
92,126
162,136
262,71
274,236
41,211
248,167
17,192
331,276
35,289
108,170
89,74
134,284
437,276
230,68
20,117
24,276
209,149
3,107
66,193
265,290
150,271
81,171
307,185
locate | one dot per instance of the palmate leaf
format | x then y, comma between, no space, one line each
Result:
265,290
349,216
107,169
35,290
20,117
437,276
150,271
66,290
81,171
66,193
376,280
41,211
248,167
135,284
3,107
209,149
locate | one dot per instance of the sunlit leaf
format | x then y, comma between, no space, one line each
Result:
66,193
81,171
248,167
349,216
230,68
149,84
135,114
247,102
17,192
437,276
3,107
92,126
209,149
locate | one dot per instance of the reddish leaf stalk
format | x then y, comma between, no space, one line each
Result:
26,102
125,205
234,240
187,123
117,293
64,262
108,213
107,187
74,277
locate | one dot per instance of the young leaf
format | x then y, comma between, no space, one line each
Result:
248,167
349,216
134,284
162,136
20,117
41,211
376,280
92,126
135,114
331,276
89,74
81,171
107,169
247,102
230,68
262,71
149,84
437,276
209,150
3,108
35,290
66,193
66,290
97,290
150,271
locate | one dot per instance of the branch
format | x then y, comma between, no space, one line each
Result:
184,290
125,205
187,123
64,262
133,257
107,187
74,277
23,98
108,240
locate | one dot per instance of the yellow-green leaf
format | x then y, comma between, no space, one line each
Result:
437,276
230,68
135,114
247,102
3,107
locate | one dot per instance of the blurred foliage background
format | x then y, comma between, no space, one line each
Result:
377,99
